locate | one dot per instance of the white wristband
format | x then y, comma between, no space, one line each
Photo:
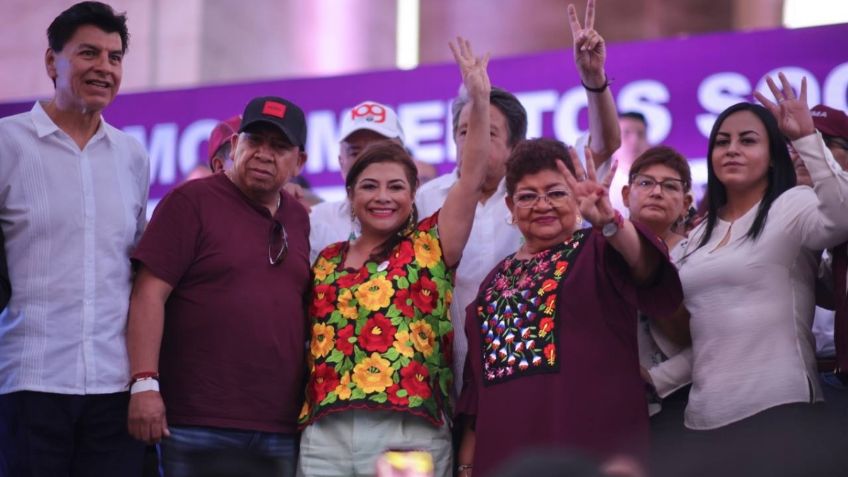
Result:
147,384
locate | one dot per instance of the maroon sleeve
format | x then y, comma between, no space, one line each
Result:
169,243
467,403
662,296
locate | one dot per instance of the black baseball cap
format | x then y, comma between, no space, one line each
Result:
279,112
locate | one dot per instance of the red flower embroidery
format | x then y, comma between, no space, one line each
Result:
424,294
323,300
392,391
378,334
428,223
332,251
343,344
352,279
546,326
403,255
561,267
550,353
547,286
324,380
415,378
401,302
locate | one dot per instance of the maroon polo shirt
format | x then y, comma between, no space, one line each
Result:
233,346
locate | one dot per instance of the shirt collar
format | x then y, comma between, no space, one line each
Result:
44,126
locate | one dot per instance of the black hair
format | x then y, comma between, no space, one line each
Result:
508,104
533,156
634,115
780,174
97,14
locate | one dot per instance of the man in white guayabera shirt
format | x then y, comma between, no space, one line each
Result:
73,198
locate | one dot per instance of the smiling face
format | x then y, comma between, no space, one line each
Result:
381,198
740,155
87,72
656,197
545,222
264,160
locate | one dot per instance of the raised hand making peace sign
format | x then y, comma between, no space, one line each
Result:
590,51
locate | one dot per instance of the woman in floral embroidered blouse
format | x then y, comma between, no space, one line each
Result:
380,365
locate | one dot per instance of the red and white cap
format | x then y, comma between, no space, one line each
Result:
372,116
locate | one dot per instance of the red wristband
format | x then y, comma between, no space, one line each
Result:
144,375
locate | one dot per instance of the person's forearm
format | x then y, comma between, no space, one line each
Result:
465,454
605,135
144,329
642,258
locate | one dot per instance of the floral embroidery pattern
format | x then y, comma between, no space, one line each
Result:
517,313
381,336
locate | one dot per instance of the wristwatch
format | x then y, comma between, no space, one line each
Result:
611,228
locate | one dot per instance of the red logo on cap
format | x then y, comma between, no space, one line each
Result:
273,108
371,112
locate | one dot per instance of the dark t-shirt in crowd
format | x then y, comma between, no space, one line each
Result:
233,346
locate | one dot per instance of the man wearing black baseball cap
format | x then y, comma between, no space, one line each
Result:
229,254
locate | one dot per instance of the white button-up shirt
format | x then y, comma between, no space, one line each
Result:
329,222
71,218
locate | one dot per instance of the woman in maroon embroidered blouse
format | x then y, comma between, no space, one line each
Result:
552,357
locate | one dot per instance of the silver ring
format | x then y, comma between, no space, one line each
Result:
581,178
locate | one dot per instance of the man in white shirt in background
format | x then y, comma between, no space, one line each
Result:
634,141
366,123
72,209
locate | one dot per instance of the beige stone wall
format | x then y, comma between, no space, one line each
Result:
185,43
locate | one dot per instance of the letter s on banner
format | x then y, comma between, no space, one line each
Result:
646,97
718,92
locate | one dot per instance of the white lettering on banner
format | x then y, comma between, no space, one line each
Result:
537,103
322,141
162,149
196,133
646,96
565,116
718,92
423,122
428,125
836,88
450,144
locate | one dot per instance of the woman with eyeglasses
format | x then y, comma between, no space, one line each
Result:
552,355
658,195
381,338
749,269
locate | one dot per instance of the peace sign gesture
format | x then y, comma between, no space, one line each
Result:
473,69
792,114
592,196
590,51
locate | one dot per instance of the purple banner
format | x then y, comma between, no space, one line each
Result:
680,85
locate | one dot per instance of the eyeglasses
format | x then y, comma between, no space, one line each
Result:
554,198
278,240
647,184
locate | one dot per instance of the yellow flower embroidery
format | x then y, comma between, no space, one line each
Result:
375,293
343,389
323,339
402,344
304,410
373,374
323,267
422,337
347,310
427,250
